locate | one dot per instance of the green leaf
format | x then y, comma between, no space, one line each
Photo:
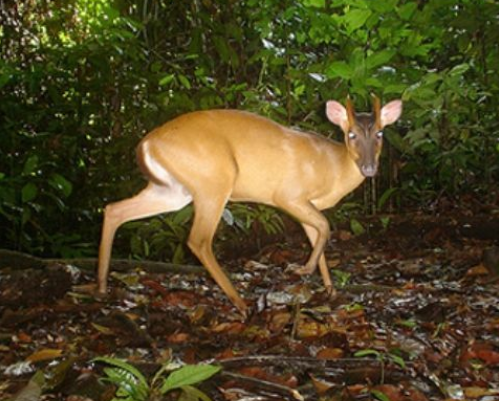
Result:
33,390
411,323
222,48
374,82
179,255
128,387
385,221
183,216
131,384
380,58
431,78
356,19
5,77
193,394
30,165
341,278
357,227
188,375
394,88
29,192
60,183
397,141
299,90
459,69
398,360
123,365
185,81
166,79
380,395
367,352
339,69
386,195
315,3
26,216
407,10
383,6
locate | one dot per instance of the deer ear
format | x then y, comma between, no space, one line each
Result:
337,114
391,112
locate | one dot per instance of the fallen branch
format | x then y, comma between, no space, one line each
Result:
343,370
19,260
264,386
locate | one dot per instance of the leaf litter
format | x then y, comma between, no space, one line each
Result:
416,318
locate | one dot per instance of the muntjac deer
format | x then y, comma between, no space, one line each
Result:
212,157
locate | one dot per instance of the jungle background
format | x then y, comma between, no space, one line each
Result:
81,81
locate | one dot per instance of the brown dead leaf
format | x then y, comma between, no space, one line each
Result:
435,234
356,315
321,386
400,393
490,357
478,270
330,353
24,338
302,293
394,393
156,286
256,372
356,390
483,351
493,324
333,263
229,328
178,338
279,321
197,313
46,354
307,328
183,298
280,257
479,392
344,235
102,329
228,353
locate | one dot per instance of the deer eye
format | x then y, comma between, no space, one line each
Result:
352,135
379,134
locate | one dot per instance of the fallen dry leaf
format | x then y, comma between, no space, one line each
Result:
44,355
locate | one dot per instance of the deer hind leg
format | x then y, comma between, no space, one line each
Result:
152,200
208,209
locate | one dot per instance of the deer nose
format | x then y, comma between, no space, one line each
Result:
368,170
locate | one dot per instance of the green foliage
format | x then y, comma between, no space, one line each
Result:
132,385
357,227
392,356
161,238
341,278
379,395
188,375
165,237
244,217
385,222
82,80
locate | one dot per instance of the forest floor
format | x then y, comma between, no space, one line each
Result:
416,318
